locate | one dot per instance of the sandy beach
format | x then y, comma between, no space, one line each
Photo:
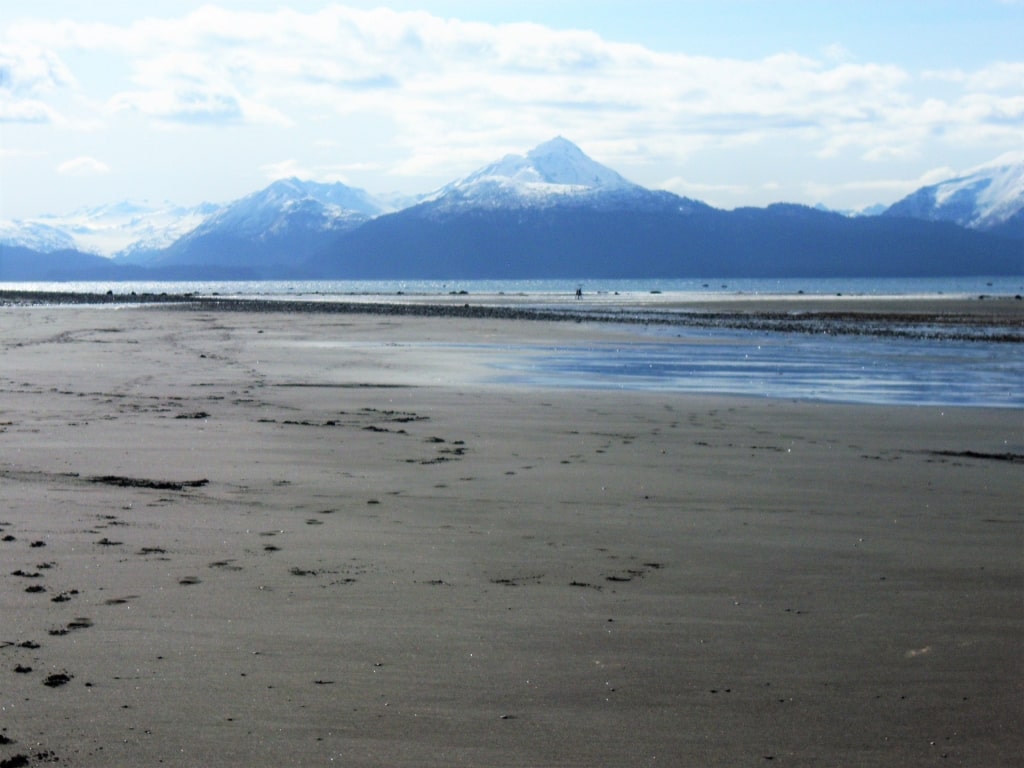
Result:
297,538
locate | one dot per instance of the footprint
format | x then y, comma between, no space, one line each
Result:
120,600
80,623
226,565
57,679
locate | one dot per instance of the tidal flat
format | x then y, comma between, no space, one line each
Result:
278,537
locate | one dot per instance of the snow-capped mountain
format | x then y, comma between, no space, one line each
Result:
137,232
36,236
287,203
556,213
554,173
116,229
273,228
989,199
550,213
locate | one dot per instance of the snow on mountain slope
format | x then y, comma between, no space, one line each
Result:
108,230
134,232
1003,198
288,203
983,199
32,234
551,173
274,229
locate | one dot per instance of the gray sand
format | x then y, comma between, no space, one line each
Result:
269,539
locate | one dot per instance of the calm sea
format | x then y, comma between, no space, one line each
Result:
994,286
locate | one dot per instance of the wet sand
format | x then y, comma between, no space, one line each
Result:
268,538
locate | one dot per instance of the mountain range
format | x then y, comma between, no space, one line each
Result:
989,200
551,213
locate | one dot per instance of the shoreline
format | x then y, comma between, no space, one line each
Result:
985,318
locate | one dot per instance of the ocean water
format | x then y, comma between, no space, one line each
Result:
955,286
853,369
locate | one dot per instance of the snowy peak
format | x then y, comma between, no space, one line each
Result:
275,228
552,172
1002,197
287,191
985,199
559,161
136,232
325,206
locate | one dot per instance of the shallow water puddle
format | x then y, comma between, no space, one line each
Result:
845,369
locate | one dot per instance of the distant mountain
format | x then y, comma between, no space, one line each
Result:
553,173
128,228
118,229
551,213
36,236
556,213
18,263
870,210
989,200
273,230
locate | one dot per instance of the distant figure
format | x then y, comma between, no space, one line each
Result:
579,293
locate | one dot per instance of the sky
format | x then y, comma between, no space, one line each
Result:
846,103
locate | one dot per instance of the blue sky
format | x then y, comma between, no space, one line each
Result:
842,102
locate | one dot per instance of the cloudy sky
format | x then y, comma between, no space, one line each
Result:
734,102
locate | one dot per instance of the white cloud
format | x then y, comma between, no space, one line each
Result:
83,166
684,187
870,191
997,76
196,105
324,172
443,81
25,111
445,96
31,69
1007,158
286,169
27,74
